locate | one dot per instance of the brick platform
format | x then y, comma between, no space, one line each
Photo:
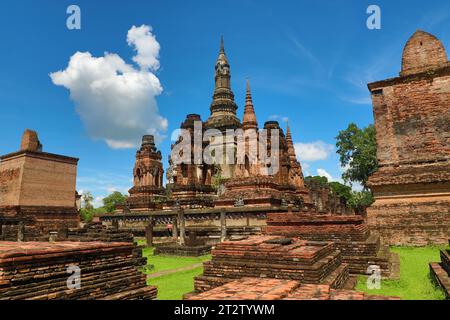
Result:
273,257
38,271
440,272
277,289
359,247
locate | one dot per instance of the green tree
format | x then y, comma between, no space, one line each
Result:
341,190
322,181
360,200
115,198
86,215
357,150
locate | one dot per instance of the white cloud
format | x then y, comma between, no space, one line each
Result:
117,101
305,167
98,202
313,151
278,117
101,183
146,46
324,173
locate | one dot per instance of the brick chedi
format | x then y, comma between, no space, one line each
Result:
223,114
412,120
190,182
37,192
252,183
45,271
276,258
246,178
295,175
147,192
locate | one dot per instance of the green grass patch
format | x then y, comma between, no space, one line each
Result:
162,262
414,283
173,286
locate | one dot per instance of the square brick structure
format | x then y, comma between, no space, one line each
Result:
39,271
440,272
278,289
412,121
37,192
276,258
360,248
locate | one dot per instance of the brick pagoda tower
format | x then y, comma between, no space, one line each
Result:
223,112
412,120
148,173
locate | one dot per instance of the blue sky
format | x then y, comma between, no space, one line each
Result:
308,61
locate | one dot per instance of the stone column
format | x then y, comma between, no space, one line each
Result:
175,229
223,225
182,226
149,233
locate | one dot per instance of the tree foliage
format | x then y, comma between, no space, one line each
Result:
360,200
341,190
357,150
115,198
322,181
88,211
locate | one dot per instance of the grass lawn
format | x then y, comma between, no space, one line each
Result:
173,286
162,262
414,283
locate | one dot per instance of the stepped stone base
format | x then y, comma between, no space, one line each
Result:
40,271
277,289
417,221
359,247
273,257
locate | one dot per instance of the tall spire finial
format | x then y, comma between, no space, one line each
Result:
222,46
290,143
248,95
249,120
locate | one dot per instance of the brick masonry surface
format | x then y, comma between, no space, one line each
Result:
38,271
412,121
276,289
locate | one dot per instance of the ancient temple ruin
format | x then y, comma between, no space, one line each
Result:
37,192
148,174
42,242
412,120
246,179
